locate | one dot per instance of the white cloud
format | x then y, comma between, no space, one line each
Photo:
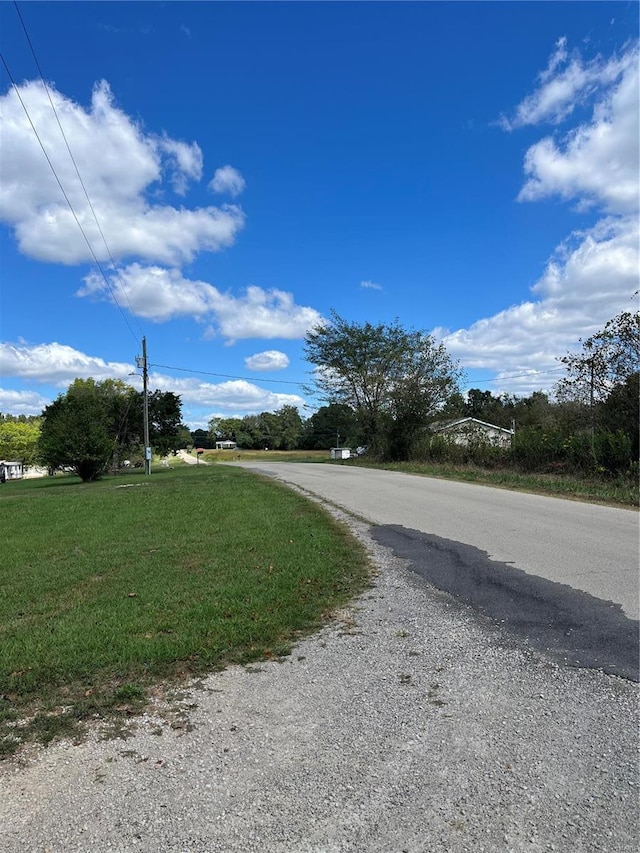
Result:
567,82
271,359
593,275
227,180
22,402
589,279
597,162
236,396
119,164
57,364
160,294
187,162
370,285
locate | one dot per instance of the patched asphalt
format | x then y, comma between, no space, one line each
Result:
571,626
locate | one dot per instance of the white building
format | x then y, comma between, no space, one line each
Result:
10,470
465,431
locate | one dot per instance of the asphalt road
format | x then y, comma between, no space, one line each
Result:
563,574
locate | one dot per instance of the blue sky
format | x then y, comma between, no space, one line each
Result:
469,168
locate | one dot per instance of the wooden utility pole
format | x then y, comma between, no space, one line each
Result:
145,408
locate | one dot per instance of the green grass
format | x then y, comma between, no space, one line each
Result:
266,455
616,492
112,587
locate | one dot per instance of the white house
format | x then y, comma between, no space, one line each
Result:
466,431
226,445
10,471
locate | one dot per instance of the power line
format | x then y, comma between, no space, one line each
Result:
528,374
75,165
66,197
228,376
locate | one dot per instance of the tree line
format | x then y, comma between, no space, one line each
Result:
381,386
397,382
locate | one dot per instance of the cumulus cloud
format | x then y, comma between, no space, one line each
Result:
597,162
589,279
160,294
227,180
57,364
370,285
271,359
120,166
234,396
22,402
592,275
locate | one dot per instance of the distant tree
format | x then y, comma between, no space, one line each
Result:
608,358
289,424
332,425
165,422
223,429
202,438
395,380
19,440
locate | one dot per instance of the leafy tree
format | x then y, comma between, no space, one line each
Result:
336,423
224,429
607,359
202,438
289,427
83,428
619,412
19,439
95,424
165,422
394,379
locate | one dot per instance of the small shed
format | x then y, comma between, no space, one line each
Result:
10,471
465,431
341,453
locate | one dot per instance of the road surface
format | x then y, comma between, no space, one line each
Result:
552,569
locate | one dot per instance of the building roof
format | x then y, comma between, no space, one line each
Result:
441,426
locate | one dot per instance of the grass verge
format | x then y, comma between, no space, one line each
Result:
112,587
615,492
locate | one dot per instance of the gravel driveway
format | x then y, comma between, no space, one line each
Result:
409,724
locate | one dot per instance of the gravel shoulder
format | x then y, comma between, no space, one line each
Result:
408,724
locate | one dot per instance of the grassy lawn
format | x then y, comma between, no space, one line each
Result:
616,492
110,588
266,455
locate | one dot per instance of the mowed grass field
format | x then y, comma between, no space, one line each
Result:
109,588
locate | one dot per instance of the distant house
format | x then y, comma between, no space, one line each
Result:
466,431
226,445
10,471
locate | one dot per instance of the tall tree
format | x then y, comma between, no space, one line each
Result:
83,428
608,358
394,379
95,424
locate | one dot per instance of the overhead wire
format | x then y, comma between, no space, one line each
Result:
66,197
527,374
227,375
75,165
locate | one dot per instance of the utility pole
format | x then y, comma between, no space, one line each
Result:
142,362
592,410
